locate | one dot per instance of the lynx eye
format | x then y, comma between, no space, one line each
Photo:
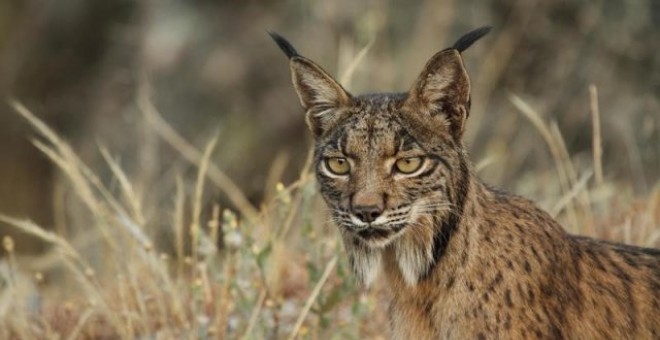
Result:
338,165
408,165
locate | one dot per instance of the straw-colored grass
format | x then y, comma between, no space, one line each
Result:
277,271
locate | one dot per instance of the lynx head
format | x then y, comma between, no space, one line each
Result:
391,166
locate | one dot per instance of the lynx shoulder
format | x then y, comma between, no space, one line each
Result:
464,261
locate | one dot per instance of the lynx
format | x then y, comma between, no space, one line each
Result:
463,260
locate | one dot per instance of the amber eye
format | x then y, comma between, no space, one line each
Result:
408,165
338,165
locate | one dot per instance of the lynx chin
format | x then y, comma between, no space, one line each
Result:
463,260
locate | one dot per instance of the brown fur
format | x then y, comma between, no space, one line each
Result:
464,261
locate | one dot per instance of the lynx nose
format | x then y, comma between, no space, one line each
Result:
367,213
367,205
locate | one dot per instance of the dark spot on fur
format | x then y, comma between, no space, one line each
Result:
595,258
546,232
519,227
627,258
617,269
608,315
496,281
556,332
546,290
450,282
520,289
534,252
428,307
507,298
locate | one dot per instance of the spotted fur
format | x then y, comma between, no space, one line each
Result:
463,260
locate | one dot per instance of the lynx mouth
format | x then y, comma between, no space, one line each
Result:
379,235
374,233
381,231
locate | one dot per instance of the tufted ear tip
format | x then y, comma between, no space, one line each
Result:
284,45
320,95
464,42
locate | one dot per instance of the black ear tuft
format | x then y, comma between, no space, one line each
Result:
286,46
468,39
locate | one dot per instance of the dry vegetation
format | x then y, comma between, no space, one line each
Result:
138,247
277,272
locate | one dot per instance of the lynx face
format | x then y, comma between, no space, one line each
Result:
376,175
391,166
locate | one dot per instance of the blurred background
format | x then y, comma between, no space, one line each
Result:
138,88
213,69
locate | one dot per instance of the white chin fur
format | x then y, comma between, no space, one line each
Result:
413,260
414,256
366,261
367,265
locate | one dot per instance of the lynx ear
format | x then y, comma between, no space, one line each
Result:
441,93
322,96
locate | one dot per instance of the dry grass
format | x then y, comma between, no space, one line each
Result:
273,275
251,284
277,272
